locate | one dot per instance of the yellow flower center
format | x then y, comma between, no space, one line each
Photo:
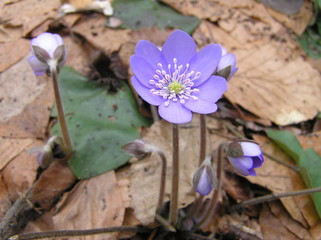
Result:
175,86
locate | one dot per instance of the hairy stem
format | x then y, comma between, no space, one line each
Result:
76,233
163,180
60,111
202,152
175,176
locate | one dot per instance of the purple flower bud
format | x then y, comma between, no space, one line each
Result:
204,179
227,65
140,148
48,50
245,155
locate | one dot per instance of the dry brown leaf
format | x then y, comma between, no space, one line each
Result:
277,224
12,147
21,172
143,176
297,22
78,55
21,17
311,141
4,201
279,178
93,29
12,52
19,87
58,177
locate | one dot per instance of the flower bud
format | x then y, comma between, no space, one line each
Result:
245,155
48,51
227,65
204,179
53,149
140,148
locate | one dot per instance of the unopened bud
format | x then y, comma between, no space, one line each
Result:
244,156
204,179
227,65
139,148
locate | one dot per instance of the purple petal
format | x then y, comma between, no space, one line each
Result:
213,89
38,67
242,164
205,62
204,186
252,172
200,106
250,149
258,161
142,70
150,53
179,45
175,112
227,60
48,42
145,93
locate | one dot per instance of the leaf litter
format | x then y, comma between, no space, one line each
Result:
271,65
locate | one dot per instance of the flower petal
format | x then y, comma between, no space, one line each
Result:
204,186
205,62
179,45
252,172
227,60
242,164
38,67
258,161
213,89
200,106
175,112
145,93
47,41
150,53
142,70
251,149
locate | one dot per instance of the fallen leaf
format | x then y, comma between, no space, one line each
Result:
92,27
4,201
275,222
21,172
92,203
12,52
12,147
34,13
311,141
14,99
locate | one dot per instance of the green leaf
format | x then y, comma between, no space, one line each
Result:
137,14
287,141
310,166
308,161
99,123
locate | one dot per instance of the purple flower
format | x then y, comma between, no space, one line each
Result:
227,66
245,155
204,179
177,78
48,51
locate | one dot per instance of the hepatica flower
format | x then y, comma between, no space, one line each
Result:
227,65
177,78
48,51
245,155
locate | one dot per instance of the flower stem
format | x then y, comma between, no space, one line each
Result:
76,233
60,111
213,201
163,181
202,138
175,176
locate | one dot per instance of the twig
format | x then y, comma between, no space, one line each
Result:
272,197
76,233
